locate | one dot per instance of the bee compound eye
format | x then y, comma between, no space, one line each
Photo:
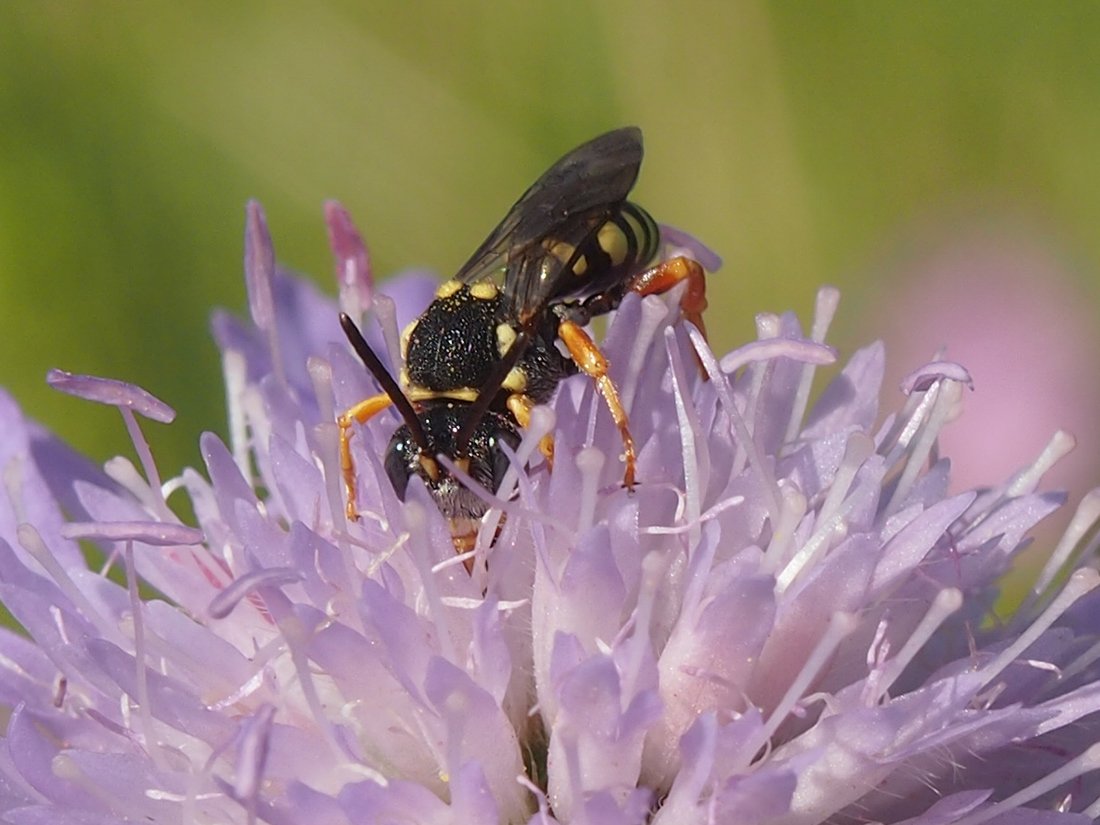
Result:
498,457
500,464
401,456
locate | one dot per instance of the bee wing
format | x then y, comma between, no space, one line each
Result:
564,205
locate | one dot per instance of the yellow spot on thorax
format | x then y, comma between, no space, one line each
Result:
447,289
505,336
484,290
406,334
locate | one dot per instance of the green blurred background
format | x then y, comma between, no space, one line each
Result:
805,142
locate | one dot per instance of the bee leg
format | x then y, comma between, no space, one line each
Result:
464,539
520,406
592,363
666,275
361,413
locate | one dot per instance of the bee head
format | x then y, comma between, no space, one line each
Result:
483,458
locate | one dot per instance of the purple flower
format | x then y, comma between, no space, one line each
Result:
789,620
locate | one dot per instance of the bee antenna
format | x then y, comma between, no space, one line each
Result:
489,390
383,377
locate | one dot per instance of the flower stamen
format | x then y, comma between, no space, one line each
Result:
825,306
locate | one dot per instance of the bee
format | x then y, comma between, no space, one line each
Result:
486,350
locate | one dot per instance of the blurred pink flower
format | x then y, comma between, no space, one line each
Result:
1005,305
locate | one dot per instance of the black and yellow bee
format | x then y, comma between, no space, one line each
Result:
485,352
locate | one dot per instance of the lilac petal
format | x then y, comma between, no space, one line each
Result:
695,677
202,656
360,668
306,804
111,392
61,468
852,398
266,544
316,327
26,673
490,652
1013,520
924,377
685,794
253,751
569,616
368,803
259,267
299,481
407,640
698,251
229,484
120,778
950,729
31,486
604,808
905,550
711,770
171,702
950,808
471,796
233,335
759,798
353,268
47,624
835,774
29,580
478,733
567,655
52,815
28,736
596,731
316,560
590,591
838,585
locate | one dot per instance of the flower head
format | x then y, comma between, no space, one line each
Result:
788,620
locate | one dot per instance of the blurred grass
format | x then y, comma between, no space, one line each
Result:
799,140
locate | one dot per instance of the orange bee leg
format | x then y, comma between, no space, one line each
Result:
464,539
361,413
593,364
666,275
520,406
